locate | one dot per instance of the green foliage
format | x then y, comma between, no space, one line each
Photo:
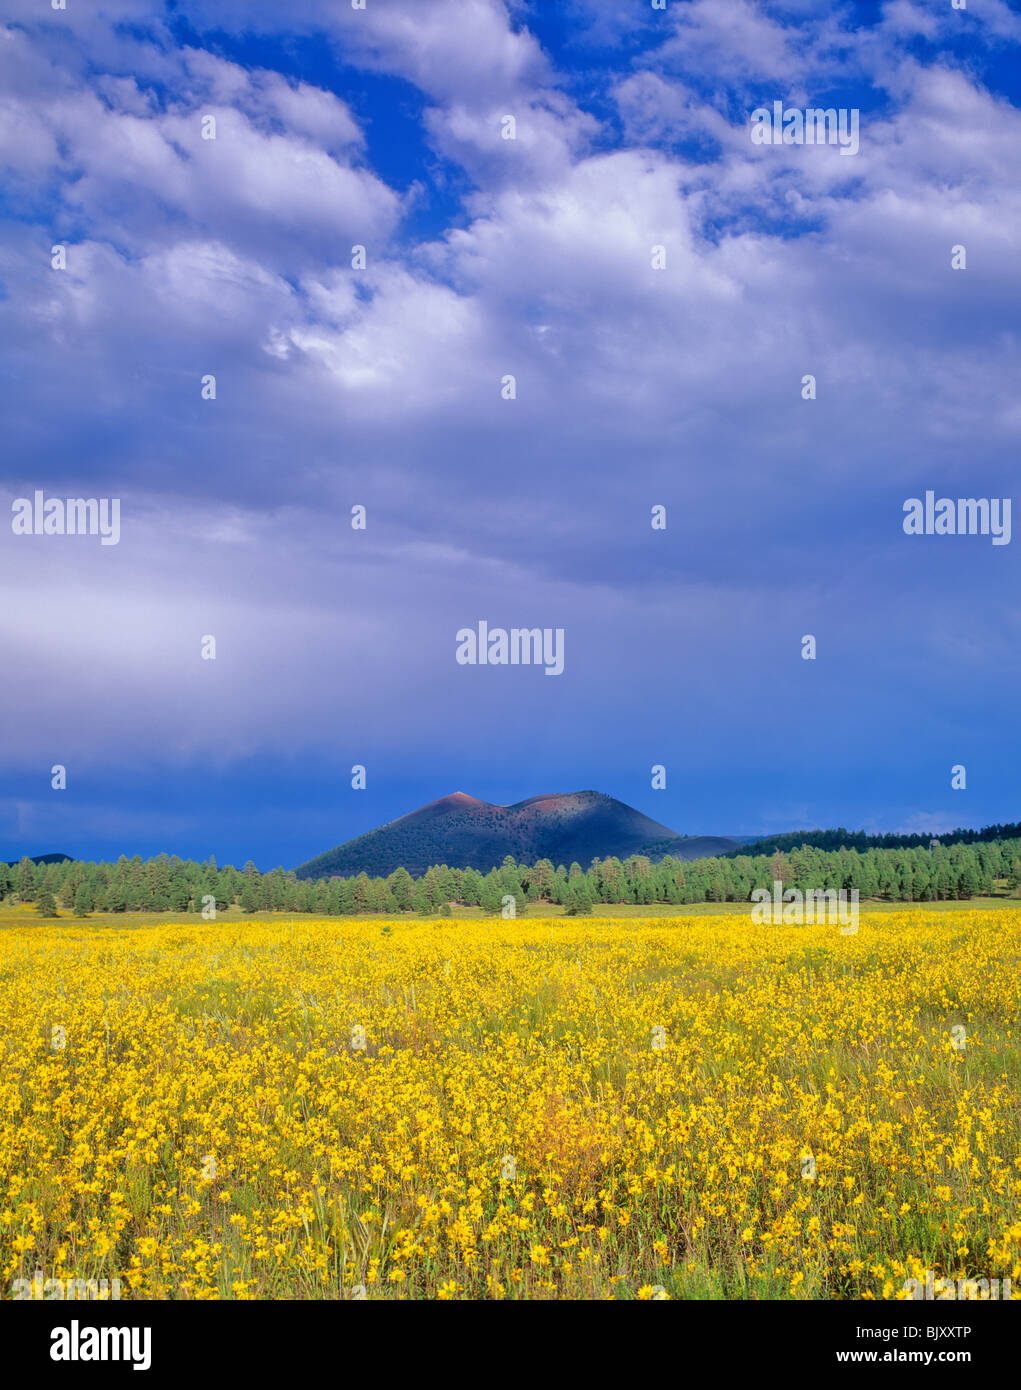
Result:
857,839
578,898
168,884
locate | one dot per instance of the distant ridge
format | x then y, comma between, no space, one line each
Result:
862,840
465,833
41,859
694,847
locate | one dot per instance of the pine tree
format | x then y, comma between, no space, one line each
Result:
578,898
472,888
432,883
363,893
25,879
420,901
492,892
113,898
45,904
250,894
402,887
541,881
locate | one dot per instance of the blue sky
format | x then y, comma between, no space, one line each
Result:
381,387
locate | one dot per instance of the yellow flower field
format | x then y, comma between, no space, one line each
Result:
691,1107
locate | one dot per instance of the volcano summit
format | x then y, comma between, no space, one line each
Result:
466,833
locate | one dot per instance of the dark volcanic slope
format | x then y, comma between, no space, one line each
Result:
466,833
40,859
693,847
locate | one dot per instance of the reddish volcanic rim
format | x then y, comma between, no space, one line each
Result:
461,801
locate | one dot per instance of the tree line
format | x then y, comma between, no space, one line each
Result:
858,839
167,883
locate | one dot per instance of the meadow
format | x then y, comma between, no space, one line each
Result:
682,1106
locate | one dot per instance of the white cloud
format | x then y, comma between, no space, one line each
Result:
382,387
277,179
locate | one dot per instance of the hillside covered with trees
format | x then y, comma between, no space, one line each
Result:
469,833
859,840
